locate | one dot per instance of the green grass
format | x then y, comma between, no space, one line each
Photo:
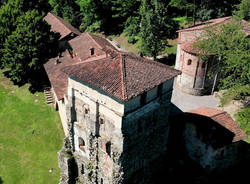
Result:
30,136
243,120
123,41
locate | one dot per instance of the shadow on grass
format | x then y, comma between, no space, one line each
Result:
37,81
1,181
168,60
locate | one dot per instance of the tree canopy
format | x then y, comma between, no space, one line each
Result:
26,40
230,47
156,26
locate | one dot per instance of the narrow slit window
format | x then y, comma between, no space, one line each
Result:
108,148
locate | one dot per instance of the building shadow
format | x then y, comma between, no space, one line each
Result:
37,82
184,157
177,164
1,181
168,60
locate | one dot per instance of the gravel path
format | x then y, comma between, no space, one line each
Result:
186,102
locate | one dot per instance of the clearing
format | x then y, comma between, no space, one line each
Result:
30,136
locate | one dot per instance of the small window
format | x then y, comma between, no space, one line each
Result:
101,181
82,169
86,111
108,148
92,51
189,62
101,121
81,143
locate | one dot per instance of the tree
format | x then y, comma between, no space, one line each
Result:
156,26
243,10
8,15
230,47
26,49
67,9
208,9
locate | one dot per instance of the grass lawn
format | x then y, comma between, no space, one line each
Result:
30,136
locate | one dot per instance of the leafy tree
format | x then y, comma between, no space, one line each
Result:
8,15
67,9
183,5
26,49
243,10
208,9
230,47
156,26
3,2
97,15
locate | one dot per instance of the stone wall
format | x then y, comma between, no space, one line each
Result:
210,157
111,140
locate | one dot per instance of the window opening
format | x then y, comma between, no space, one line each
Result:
92,51
143,98
81,143
82,169
108,148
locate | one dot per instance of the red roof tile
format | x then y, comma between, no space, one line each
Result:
206,24
189,48
60,26
122,78
223,20
59,79
82,44
223,119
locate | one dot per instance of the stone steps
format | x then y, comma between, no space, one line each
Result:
48,94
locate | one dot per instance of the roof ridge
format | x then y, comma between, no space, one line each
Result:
223,112
61,20
123,73
90,36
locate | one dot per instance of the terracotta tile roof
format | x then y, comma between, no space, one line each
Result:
59,79
223,20
82,44
189,48
223,119
123,76
60,26
206,24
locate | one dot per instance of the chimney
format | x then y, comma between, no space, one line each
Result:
57,60
92,51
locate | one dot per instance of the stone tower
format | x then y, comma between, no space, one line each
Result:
193,79
117,110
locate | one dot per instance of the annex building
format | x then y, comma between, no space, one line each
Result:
194,77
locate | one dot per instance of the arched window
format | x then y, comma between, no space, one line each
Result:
81,143
108,148
189,62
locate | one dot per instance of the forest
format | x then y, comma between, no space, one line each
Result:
26,41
